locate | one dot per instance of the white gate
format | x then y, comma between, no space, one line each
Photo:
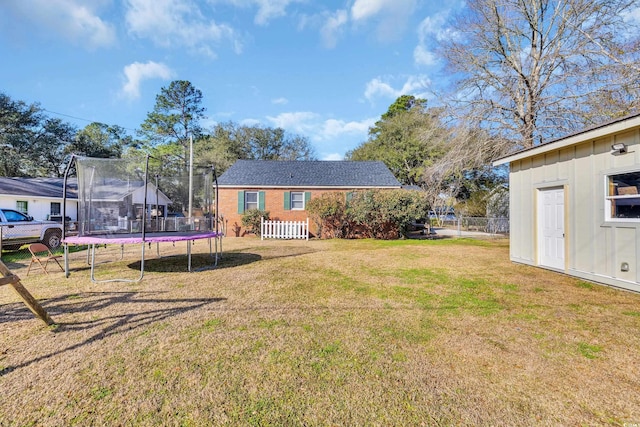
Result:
284,229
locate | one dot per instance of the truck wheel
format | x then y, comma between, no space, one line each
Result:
52,239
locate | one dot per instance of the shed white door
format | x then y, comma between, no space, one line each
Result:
551,227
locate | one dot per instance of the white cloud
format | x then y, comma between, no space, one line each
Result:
434,27
319,129
137,72
250,122
330,136
414,85
267,9
391,15
171,23
74,20
298,122
377,87
422,56
333,156
365,9
333,128
333,27
280,101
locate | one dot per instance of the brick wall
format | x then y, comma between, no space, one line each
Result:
273,202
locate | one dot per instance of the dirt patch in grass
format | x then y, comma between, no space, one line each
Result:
415,332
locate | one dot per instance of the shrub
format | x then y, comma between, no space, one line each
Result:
252,218
328,213
387,213
382,214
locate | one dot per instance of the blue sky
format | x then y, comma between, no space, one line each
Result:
325,70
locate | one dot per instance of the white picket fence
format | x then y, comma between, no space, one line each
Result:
284,229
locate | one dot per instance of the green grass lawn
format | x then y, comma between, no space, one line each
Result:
412,332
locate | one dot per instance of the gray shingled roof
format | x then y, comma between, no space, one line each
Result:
307,174
38,187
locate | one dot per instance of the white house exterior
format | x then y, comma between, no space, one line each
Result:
38,197
575,204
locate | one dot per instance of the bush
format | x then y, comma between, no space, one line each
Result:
252,218
328,213
387,213
382,214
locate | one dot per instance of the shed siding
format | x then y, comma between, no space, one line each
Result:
595,248
625,251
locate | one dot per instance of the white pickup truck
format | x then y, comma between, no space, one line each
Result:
18,229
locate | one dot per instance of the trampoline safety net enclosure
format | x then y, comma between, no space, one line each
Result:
128,201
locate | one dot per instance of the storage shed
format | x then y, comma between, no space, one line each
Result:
575,204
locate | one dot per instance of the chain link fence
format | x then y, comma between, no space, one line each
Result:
16,238
478,225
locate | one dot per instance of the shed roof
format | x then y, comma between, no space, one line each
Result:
308,174
38,187
599,131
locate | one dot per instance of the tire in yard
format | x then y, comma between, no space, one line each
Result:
52,238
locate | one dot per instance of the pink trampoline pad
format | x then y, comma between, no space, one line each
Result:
125,239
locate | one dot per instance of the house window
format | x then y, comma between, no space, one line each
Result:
22,206
250,200
55,208
622,197
297,200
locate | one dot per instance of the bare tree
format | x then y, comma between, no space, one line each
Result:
465,163
536,69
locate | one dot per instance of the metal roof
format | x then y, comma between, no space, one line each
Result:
308,174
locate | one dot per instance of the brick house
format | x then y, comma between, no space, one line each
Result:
284,187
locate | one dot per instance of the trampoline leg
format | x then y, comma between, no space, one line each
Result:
66,260
141,264
93,260
189,255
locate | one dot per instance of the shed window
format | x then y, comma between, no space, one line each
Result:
622,198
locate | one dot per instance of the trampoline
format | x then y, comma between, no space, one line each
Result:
118,205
